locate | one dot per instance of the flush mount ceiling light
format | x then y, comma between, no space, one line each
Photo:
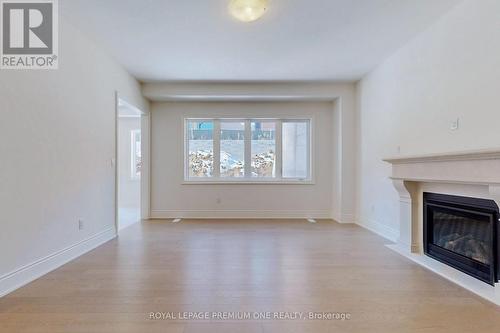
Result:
247,10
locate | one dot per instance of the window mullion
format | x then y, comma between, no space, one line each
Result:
186,149
309,150
216,138
279,149
248,149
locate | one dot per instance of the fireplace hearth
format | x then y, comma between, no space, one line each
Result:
463,232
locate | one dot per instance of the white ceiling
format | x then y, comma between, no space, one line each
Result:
297,40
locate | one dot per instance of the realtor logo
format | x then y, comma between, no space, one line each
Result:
29,34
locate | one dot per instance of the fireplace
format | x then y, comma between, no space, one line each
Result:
463,233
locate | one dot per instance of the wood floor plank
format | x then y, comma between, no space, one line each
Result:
251,266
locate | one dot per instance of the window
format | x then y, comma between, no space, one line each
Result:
232,149
248,150
200,149
263,149
295,149
135,150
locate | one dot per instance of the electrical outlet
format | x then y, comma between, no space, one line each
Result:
455,124
81,224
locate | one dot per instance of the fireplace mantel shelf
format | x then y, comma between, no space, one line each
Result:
485,154
479,167
443,181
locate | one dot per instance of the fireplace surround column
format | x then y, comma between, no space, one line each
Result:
408,214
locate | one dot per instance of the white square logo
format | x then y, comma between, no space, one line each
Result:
29,33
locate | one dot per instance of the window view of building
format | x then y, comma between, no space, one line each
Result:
295,149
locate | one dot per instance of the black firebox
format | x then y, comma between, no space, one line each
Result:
463,233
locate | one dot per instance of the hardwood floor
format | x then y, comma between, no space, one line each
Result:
252,266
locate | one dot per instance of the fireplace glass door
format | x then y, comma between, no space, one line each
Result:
462,232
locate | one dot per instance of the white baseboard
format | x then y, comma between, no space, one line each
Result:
336,217
26,274
381,230
347,218
240,214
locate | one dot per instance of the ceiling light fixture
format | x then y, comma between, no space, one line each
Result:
247,10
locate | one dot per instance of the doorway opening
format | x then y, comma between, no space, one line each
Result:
129,164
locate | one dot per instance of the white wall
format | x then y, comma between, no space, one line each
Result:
58,139
171,198
452,70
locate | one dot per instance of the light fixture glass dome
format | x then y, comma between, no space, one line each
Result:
247,10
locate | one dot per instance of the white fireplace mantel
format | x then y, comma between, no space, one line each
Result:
468,173
472,167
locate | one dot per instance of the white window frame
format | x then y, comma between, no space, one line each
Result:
216,179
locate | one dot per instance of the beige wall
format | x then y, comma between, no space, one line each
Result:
58,140
341,97
450,71
171,198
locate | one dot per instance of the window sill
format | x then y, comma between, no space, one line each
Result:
248,182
